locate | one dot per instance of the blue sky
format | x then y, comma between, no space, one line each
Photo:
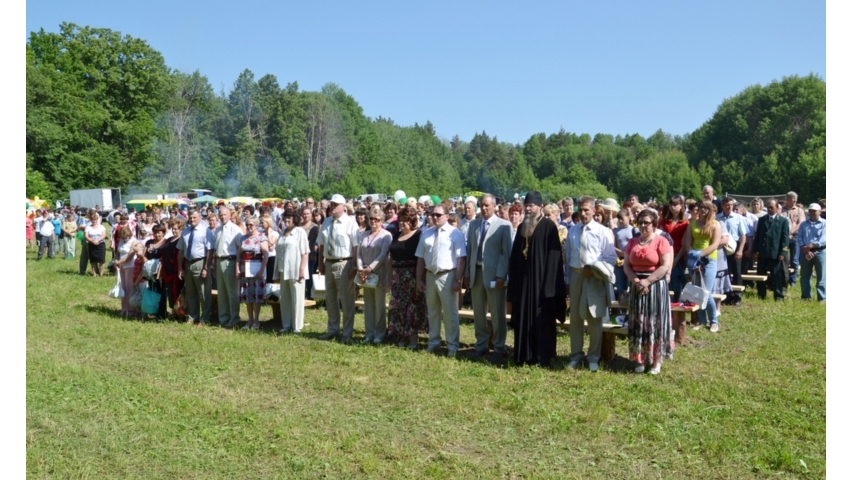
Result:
507,68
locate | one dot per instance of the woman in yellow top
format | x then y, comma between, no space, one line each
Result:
700,243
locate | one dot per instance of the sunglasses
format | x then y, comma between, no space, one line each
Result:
437,215
375,219
643,224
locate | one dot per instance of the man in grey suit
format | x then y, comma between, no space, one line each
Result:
489,244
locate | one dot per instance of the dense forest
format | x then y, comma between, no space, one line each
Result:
104,109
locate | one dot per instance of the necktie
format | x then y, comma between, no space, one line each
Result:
484,228
332,237
584,245
219,250
436,247
190,245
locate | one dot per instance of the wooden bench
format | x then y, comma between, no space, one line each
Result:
754,278
611,331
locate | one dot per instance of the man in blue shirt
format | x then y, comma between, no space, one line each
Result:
811,238
736,226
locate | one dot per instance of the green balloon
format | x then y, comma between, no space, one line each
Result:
28,206
435,199
402,201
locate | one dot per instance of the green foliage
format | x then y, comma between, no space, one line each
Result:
92,97
767,139
103,109
37,186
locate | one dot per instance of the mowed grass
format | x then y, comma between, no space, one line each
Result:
114,398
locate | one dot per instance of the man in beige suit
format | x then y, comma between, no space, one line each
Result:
587,244
489,245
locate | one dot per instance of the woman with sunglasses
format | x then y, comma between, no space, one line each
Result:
371,259
700,243
648,258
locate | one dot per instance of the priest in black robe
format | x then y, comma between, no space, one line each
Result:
536,288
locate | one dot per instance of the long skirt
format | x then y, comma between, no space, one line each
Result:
407,313
650,324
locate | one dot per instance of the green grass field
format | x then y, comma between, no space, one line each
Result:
114,398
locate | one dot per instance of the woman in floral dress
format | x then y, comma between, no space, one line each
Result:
254,250
407,311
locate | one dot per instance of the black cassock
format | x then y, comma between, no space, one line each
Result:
537,290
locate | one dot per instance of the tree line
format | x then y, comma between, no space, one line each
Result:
104,109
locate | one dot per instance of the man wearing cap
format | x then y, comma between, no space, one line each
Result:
771,244
338,240
588,247
812,240
196,247
440,269
536,287
488,249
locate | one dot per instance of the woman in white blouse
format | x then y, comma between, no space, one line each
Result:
291,269
371,258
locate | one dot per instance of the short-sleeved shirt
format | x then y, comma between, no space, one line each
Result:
338,237
441,248
202,242
646,259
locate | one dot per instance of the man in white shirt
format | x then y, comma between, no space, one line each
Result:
338,240
587,243
489,246
441,267
196,247
227,245
47,238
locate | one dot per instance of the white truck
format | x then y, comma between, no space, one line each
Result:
106,198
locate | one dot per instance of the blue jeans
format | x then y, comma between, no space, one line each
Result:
677,279
794,252
818,264
709,273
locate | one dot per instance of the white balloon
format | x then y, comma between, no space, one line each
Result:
471,198
399,194
423,198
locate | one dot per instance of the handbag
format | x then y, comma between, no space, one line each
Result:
731,246
318,286
371,281
272,291
151,268
135,299
696,294
150,301
117,291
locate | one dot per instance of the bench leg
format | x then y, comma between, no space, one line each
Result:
276,313
679,325
608,346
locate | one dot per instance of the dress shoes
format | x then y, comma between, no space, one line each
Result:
573,364
593,367
326,336
346,340
478,355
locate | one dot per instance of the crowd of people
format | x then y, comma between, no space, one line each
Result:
528,260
